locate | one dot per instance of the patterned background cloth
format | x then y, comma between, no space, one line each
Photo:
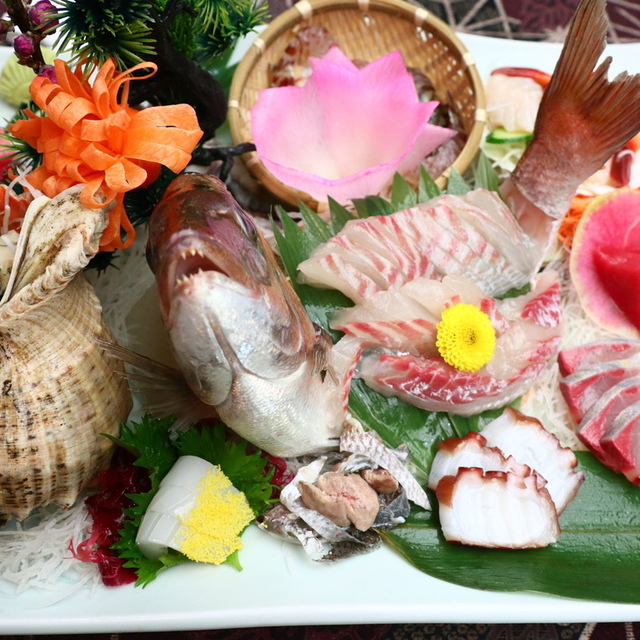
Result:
520,19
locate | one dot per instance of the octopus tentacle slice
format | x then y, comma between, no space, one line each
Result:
59,389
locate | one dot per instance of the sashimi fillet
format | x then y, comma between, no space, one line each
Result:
523,349
602,415
570,360
621,442
474,235
582,389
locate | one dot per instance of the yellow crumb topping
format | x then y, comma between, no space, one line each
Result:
466,338
211,530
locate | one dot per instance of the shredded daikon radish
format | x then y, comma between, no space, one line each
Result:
544,401
35,553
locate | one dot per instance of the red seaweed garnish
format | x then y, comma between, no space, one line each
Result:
106,509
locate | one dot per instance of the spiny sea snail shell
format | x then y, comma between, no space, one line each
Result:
58,388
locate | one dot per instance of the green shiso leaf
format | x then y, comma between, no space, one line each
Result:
246,471
150,441
596,557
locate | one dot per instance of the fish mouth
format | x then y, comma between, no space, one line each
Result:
189,263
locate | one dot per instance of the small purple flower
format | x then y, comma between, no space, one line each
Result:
43,14
49,72
24,46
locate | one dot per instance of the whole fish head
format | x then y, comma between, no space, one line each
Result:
227,305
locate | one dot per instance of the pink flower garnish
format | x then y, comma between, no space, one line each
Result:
347,131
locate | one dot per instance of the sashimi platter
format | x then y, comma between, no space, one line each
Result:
353,338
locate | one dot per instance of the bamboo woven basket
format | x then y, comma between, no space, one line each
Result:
366,30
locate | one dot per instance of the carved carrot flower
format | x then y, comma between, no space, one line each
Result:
90,135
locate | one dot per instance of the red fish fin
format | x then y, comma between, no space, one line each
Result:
583,118
164,389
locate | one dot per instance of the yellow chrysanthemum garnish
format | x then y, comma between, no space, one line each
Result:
466,338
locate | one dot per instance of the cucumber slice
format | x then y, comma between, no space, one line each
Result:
502,136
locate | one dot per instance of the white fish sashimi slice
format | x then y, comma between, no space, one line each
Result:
523,350
541,305
487,212
431,384
405,319
474,235
334,272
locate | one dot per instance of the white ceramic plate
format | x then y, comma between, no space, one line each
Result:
279,585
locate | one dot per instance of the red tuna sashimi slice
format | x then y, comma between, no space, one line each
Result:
582,389
608,226
570,360
619,272
621,442
602,415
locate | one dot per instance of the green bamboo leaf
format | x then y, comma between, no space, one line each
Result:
427,188
339,215
457,185
314,224
373,206
402,194
486,176
597,556
295,244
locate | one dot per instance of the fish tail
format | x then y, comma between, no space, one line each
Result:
583,118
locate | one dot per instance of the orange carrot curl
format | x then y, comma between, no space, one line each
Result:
568,227
91,136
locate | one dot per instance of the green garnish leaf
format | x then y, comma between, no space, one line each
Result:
402,194
427,187
246,471
457,185
373,206
339,215
486,175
